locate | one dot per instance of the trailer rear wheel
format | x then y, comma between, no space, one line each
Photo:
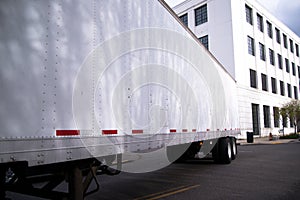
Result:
222,152
233,148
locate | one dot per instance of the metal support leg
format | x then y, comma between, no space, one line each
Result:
75,184
89,178
119,162
2,182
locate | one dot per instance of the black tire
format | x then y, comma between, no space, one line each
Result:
225,150
233,148
215,153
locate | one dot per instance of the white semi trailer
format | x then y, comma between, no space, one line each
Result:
99,86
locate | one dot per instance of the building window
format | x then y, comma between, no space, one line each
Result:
204,41
284,121
292,46
251,50
266,116
284,40
278,39
255,119
276,116
291,122
262,53
272,59
289,90
269,29
249,18
184,19
287,65
274,85
293,69
297,50
279,61
295,92
298,71
264,82
201,15
282,88
260,23
253,79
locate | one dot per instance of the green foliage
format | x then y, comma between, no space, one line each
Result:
290,110
291,136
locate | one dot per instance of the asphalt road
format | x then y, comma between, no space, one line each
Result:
259,172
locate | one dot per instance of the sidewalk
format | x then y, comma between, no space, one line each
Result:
265,140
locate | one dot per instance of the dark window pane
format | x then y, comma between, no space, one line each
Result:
279,61
262,53
264,82
269,29
282,92
294,69
284,121
251,50
271,55
289,90
284,40
248,14
201,15
291,122
287,65
253,77
184,19
295,92
292,46
274,85
278,39
276,116
204,41
266,110
260,23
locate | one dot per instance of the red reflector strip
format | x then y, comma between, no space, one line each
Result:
137,131
67,132
109,132
172,130
184,130
194,130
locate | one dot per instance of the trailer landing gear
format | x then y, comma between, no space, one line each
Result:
77,174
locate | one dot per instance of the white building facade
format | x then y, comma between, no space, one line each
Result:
258,50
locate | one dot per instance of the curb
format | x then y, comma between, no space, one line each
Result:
280,141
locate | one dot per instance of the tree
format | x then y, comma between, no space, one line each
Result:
292,111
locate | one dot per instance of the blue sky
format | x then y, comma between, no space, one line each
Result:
287,11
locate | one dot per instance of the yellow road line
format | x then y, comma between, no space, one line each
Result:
159,193
275,142
167,193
